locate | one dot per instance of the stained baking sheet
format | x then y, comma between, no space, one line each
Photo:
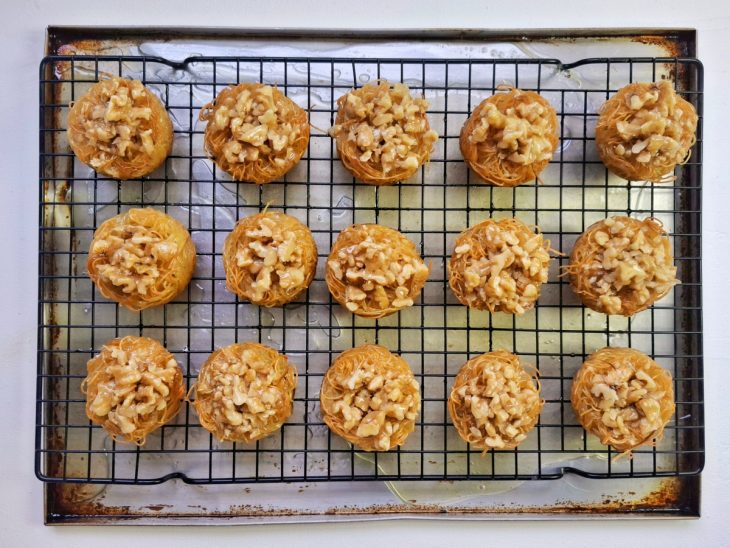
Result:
314,71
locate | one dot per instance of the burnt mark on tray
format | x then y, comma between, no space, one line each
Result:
675,44
674,496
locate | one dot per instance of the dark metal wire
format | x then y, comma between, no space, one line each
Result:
67,444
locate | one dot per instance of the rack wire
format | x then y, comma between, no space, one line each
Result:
436,336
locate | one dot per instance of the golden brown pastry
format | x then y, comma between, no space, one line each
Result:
510,137
624,397
499,266
244,392
644,131
269,258
374,271
133,386
495,402
141,258
255,133
622,265
382,133
370,397
120,129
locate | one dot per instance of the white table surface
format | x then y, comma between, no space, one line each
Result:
22,37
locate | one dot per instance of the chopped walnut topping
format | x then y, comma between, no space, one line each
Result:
255,127
134,254
269,258
255,132
245,392
374,271
645,130
141,258
499,266
622,265
370,397
494,402
120,129
510,137
385,128
623,396
521,133
119,125
655,130
133,386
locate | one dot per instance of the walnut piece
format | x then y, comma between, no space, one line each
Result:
499,266
495,402
133,386
371,398
245,392
374,270
622,265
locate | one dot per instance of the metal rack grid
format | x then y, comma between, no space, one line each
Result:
436,336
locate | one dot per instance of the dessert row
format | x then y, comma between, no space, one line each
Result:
369,396
144,258
256,134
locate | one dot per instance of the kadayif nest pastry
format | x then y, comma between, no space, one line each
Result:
370,397
374,271
510,137
499,266
141,258
624,397
244,392
495,401
255,133
133,386
120,129
645,130
269,258
622,265
382,133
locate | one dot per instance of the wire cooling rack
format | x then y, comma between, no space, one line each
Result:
436,336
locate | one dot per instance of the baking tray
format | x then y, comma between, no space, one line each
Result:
454,71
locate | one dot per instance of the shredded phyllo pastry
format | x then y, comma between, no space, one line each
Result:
133,386
120,129
244,392
622,265
510,137
255,133
623,397
495,402
382,133
374,271
645,130
141,258
370,397
269,258
499,266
